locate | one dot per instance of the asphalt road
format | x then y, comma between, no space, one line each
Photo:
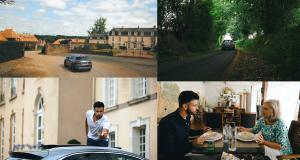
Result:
202,68
36,65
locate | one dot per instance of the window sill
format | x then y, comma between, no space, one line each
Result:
13,97
139,100
2,103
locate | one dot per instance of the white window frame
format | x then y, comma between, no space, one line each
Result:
143,144
140,87
2,138
114,129
40,109
134,138
2,96
13,131
13,87
110,92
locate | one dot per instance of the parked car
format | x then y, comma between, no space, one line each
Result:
78,62
228,45
76,153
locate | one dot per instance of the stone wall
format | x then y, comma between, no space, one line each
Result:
57,49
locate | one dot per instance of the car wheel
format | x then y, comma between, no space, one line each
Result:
65,64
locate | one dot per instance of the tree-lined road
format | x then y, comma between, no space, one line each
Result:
36,65
210,67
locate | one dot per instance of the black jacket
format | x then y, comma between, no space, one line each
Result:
173,134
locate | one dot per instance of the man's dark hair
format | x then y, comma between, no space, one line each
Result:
98,104
187,96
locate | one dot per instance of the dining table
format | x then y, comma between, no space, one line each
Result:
215,149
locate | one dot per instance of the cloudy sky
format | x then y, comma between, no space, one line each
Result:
75,17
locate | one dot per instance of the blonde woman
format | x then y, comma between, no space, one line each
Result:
274,133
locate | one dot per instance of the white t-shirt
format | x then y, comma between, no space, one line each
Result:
95,127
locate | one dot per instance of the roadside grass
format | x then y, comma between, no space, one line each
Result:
281,51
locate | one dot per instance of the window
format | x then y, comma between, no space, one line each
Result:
140,87
13,87
140,136
110,92
1,138
142,141
40,122
152,33
12,132
122,157
129,33
112,139
113,33
89,156
2,99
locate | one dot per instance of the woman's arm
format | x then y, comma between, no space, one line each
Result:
262,141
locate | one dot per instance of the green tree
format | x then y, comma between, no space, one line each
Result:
99,27
7,1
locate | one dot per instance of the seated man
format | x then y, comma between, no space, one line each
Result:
173,131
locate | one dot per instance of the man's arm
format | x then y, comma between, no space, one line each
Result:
86,127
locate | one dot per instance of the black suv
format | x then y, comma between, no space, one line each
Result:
78,62
76,153
228,45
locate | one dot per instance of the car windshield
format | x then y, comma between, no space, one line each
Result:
82,58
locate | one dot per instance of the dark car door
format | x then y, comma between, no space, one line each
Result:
88,156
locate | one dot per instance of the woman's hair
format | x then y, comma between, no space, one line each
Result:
274,104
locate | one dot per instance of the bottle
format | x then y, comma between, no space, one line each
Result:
225,137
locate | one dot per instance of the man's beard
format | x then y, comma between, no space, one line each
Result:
189,112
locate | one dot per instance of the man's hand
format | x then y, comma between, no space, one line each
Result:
103,134
199,140
206,129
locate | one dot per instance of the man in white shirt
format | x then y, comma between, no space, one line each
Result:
97,126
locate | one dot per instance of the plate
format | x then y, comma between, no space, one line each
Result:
245,136
212,136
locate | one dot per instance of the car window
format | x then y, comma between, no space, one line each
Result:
88,156
122,157
81,58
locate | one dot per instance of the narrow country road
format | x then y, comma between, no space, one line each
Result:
204,68
37,65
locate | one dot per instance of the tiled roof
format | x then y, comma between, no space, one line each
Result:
131,31
9,33
27,38
58,41
77,40
134,29
2,38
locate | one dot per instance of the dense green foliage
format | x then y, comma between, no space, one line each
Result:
270,29
184,26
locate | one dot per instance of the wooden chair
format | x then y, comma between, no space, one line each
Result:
248,120
294,137
214,120
237,115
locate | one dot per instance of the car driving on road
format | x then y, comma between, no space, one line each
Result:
76,62
228,45
76,153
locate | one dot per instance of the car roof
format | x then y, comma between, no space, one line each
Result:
59,152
